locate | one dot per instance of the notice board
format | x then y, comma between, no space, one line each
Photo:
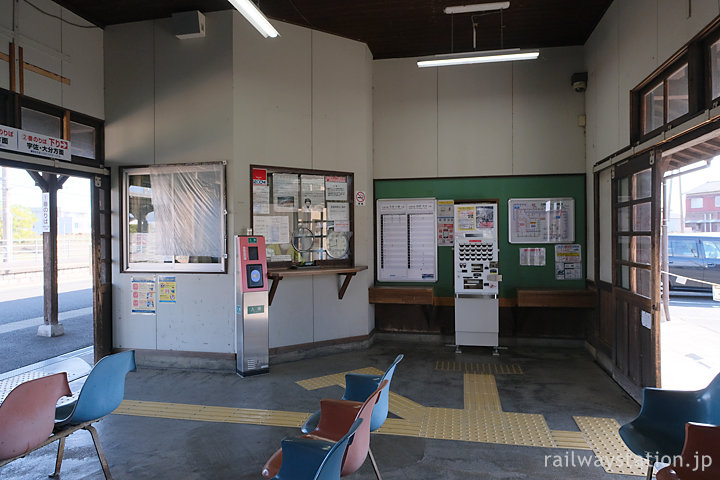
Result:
406,240
541,220
499,189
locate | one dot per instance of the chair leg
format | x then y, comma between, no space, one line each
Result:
650,471
59,459
374,464
100,453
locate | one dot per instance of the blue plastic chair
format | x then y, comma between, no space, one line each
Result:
102,393
659,429
358,387
310,459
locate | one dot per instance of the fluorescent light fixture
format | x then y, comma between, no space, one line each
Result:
487,56
478,7
255,17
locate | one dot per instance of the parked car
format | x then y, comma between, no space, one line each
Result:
694,256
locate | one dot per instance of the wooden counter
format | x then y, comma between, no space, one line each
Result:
277,274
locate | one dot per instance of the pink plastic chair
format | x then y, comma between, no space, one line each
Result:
336,418
27,416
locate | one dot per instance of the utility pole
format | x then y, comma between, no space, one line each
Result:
7,234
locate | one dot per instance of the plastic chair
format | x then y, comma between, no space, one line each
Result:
309,459
659,429
102,393
337,416
27,414
700,458
358,387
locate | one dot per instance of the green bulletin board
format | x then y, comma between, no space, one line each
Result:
500,189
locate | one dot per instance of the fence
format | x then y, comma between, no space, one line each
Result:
28,254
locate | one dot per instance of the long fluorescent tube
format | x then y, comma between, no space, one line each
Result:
478,7
255,17
487,56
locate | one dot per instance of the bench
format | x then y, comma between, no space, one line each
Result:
544,298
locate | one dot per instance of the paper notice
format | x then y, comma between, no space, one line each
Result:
285,192
275,229
336,189
338,211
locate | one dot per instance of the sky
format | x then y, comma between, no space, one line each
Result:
73,197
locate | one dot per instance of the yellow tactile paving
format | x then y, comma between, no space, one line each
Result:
570,440
405,408
334,379
480,392
602,436
480,368
204,413
400,426
487,427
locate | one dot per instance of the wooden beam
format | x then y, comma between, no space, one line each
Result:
21,73
4,56
345,285
66,125
39,180
11,60
61,179
45,73
50,264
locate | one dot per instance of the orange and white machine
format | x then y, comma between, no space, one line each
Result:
251,306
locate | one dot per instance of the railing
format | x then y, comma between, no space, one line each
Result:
24,254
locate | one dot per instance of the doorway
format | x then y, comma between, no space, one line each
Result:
81,290
690,264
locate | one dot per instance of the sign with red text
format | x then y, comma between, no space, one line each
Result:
8,138
44,146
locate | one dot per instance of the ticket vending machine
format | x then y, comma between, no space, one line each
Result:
251,306
476,271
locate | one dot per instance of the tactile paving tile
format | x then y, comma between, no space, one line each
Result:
570,440
603,437
203,413
334,379
400,426
487,426
480,368
75,368
480,392
405,408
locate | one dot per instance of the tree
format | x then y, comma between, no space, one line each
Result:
23,221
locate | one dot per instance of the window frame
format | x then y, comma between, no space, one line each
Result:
661,77
161,267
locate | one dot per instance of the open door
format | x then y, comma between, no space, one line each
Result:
636,292
101,266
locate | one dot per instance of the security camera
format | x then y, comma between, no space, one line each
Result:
579,81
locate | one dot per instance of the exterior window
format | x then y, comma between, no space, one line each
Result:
677,86
40,122
654,109
712,249
683,247
174,218
715,68
696,202
82,140
717,201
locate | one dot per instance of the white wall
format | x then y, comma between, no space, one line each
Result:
58,46
516,118
633,38
301,100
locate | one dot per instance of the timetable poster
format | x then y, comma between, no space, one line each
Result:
407,240
541,220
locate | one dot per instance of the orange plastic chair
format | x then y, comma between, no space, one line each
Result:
27,416
336,418
700,457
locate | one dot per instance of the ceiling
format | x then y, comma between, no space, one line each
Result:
391,28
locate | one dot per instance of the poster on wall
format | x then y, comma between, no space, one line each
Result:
285,192
541,220
312,192
142,295
445,223
336,189
532,257
275,229
167,291
568,262
407,240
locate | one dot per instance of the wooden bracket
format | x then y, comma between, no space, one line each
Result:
346,283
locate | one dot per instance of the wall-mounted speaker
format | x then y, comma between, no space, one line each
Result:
188,24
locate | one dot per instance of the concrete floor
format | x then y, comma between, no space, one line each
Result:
557,383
